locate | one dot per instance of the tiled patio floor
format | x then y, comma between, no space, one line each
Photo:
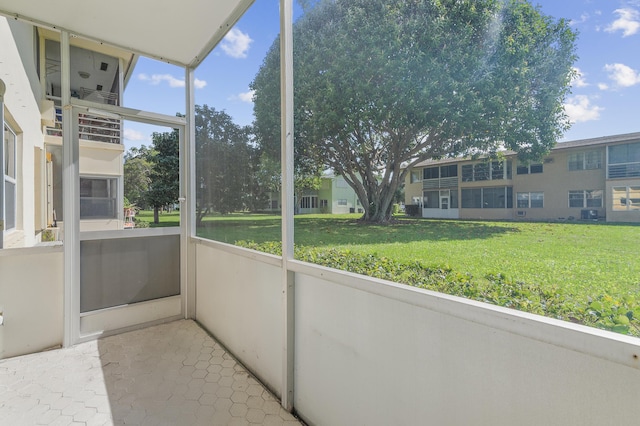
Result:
170,374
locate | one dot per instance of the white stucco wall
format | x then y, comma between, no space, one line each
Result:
22,112
239,301
379,354
369,352
31,292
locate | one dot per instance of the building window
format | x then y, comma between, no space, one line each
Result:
342,202
9,179
467,173
585,198
449,171
431,173
487,170
624,161
588,160
497,170
415,176
487,198
481,172
324,203
431,199
529,169
526,200
472,198
626,198
98,198
309,202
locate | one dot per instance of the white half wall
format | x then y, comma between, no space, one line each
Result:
372,353
31,300
239,301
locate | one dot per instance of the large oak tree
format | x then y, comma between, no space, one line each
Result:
381,85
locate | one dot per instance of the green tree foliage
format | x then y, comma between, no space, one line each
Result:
164,184
225,164
381,85
137,171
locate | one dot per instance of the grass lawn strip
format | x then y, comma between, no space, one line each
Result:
583,272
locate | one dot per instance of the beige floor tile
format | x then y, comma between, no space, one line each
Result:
171,374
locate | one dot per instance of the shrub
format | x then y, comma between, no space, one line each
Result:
412,210
139,223
603,311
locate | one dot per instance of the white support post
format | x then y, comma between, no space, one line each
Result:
71,200
43,66
188,205
3,89
288,277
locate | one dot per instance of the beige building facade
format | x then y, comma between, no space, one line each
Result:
589,179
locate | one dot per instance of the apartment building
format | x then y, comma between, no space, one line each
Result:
32,155
588,179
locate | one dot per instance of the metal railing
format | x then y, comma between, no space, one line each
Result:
448,182
624,170
91,127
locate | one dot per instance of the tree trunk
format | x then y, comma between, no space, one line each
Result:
156,217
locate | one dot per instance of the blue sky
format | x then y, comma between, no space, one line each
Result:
605,99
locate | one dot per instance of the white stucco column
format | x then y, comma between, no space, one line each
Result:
70,200
3,89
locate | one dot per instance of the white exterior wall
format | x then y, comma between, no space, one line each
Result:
103,160
98,159
22,112
239,301
31,293
340,190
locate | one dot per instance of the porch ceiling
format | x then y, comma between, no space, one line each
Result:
181,32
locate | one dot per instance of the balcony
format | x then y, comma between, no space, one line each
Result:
625,170
336,348
446,182
91,127
366,351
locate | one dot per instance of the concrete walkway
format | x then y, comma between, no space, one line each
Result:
170,374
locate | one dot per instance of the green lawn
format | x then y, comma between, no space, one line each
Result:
582,258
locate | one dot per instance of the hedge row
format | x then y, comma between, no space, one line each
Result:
618,314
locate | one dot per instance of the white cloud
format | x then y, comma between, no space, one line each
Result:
622,75
580,109
236,43
603,86
628,22
173,82
134,135
243,97
583,18
579,80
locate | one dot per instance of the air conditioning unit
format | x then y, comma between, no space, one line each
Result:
521,213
